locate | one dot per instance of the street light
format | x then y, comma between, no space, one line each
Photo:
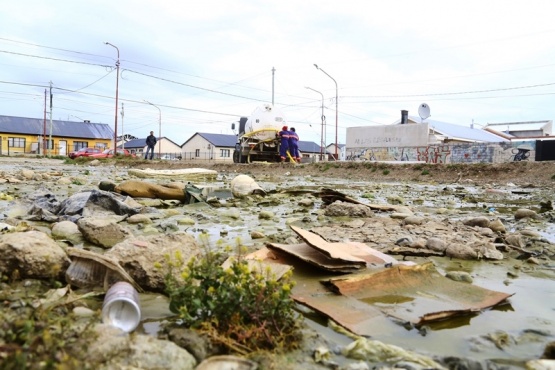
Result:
322,134
117,83
336,107
159,127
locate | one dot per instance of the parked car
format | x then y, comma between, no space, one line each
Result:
84,152
109,153
168,157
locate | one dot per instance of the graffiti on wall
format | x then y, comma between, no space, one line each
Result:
454,153
433,153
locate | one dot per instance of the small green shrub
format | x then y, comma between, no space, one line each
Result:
425,172
252,309
386,172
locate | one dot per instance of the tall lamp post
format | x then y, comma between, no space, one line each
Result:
336,107
117,87
159,127
322,142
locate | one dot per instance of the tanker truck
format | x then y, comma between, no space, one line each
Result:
257,138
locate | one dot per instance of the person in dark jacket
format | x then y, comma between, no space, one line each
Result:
293,145
284,145
150,143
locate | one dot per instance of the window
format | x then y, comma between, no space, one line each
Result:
16,142
197,152
80,144
224,153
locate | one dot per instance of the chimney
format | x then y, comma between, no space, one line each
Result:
404,117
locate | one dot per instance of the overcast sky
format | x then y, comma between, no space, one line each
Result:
207,63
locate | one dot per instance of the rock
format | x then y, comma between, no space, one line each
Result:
67,230
102,232
266,215
33,254
530,233
243,185
477,221
515,240
139,219
461,251
186,221
339,208
196,344
27,174
257,235
497,226
525,213
414,220
436,244
400,216
306,202
140,255
114,349
459,276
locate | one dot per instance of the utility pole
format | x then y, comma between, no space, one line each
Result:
42,143
117,88
322,142
336,108
273,74
50,144
122,136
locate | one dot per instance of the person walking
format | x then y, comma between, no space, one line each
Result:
150,143
293,145
284,145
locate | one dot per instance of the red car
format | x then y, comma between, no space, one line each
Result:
109,153
84,152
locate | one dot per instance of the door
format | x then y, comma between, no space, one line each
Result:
62,147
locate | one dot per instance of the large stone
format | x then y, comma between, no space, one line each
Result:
114,349
339,208
67,230
33,254
145,257
102,232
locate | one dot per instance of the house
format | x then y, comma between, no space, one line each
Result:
531,129
210,147
21,135
340,151
164,148
220,147
443,132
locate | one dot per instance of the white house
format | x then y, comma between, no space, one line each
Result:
164,148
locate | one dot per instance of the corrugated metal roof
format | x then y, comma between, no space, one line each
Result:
459,132
136,143
309,147
35,126
518,126
219,140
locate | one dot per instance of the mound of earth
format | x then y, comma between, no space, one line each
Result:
538,174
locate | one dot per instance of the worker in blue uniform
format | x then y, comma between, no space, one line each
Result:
293,145
284,143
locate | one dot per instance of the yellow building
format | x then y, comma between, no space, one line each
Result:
20,135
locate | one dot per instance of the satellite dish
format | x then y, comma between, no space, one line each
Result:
424,111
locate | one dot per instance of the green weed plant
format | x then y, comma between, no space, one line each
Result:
249,308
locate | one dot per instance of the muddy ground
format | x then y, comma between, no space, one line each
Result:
519,173
419,182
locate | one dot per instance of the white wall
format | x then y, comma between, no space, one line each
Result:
387,136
